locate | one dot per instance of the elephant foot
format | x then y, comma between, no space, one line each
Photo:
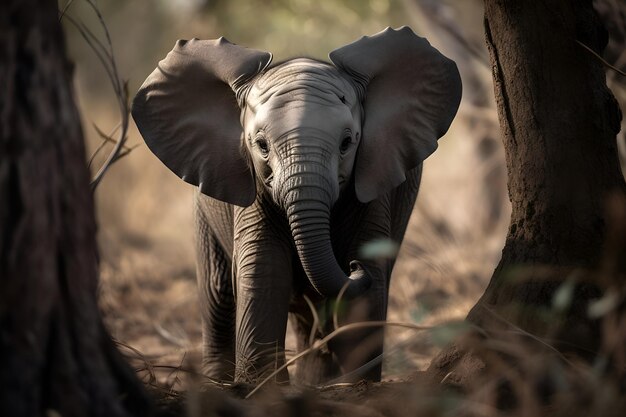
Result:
257,370
316,369
218,371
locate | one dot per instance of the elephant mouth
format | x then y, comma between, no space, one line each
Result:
269,180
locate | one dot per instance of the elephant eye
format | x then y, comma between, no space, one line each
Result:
263,146
345,143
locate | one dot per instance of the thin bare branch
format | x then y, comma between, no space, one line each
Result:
115,153
606,64
91,40
520,331
96,152
65,8
109,139
104,136
104,53
94,6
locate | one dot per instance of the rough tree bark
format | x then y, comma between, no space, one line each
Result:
55,354
559,123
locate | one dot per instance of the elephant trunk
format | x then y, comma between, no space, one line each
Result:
307,199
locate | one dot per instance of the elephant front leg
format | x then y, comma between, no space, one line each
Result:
263,290
217,305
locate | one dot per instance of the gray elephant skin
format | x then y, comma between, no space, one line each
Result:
298,165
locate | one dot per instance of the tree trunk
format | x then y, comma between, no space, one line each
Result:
559,123
55,354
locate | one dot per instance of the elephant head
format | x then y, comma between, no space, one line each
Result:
302,131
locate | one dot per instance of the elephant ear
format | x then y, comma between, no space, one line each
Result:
188,114
411,94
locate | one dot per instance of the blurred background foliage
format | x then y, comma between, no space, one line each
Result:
143,31
457,229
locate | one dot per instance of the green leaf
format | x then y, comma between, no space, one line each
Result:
379,249
563,296
446,333
601,306
419,313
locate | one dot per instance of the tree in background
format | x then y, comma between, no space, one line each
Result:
55,354
559,122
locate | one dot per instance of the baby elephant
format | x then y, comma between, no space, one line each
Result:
298,165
